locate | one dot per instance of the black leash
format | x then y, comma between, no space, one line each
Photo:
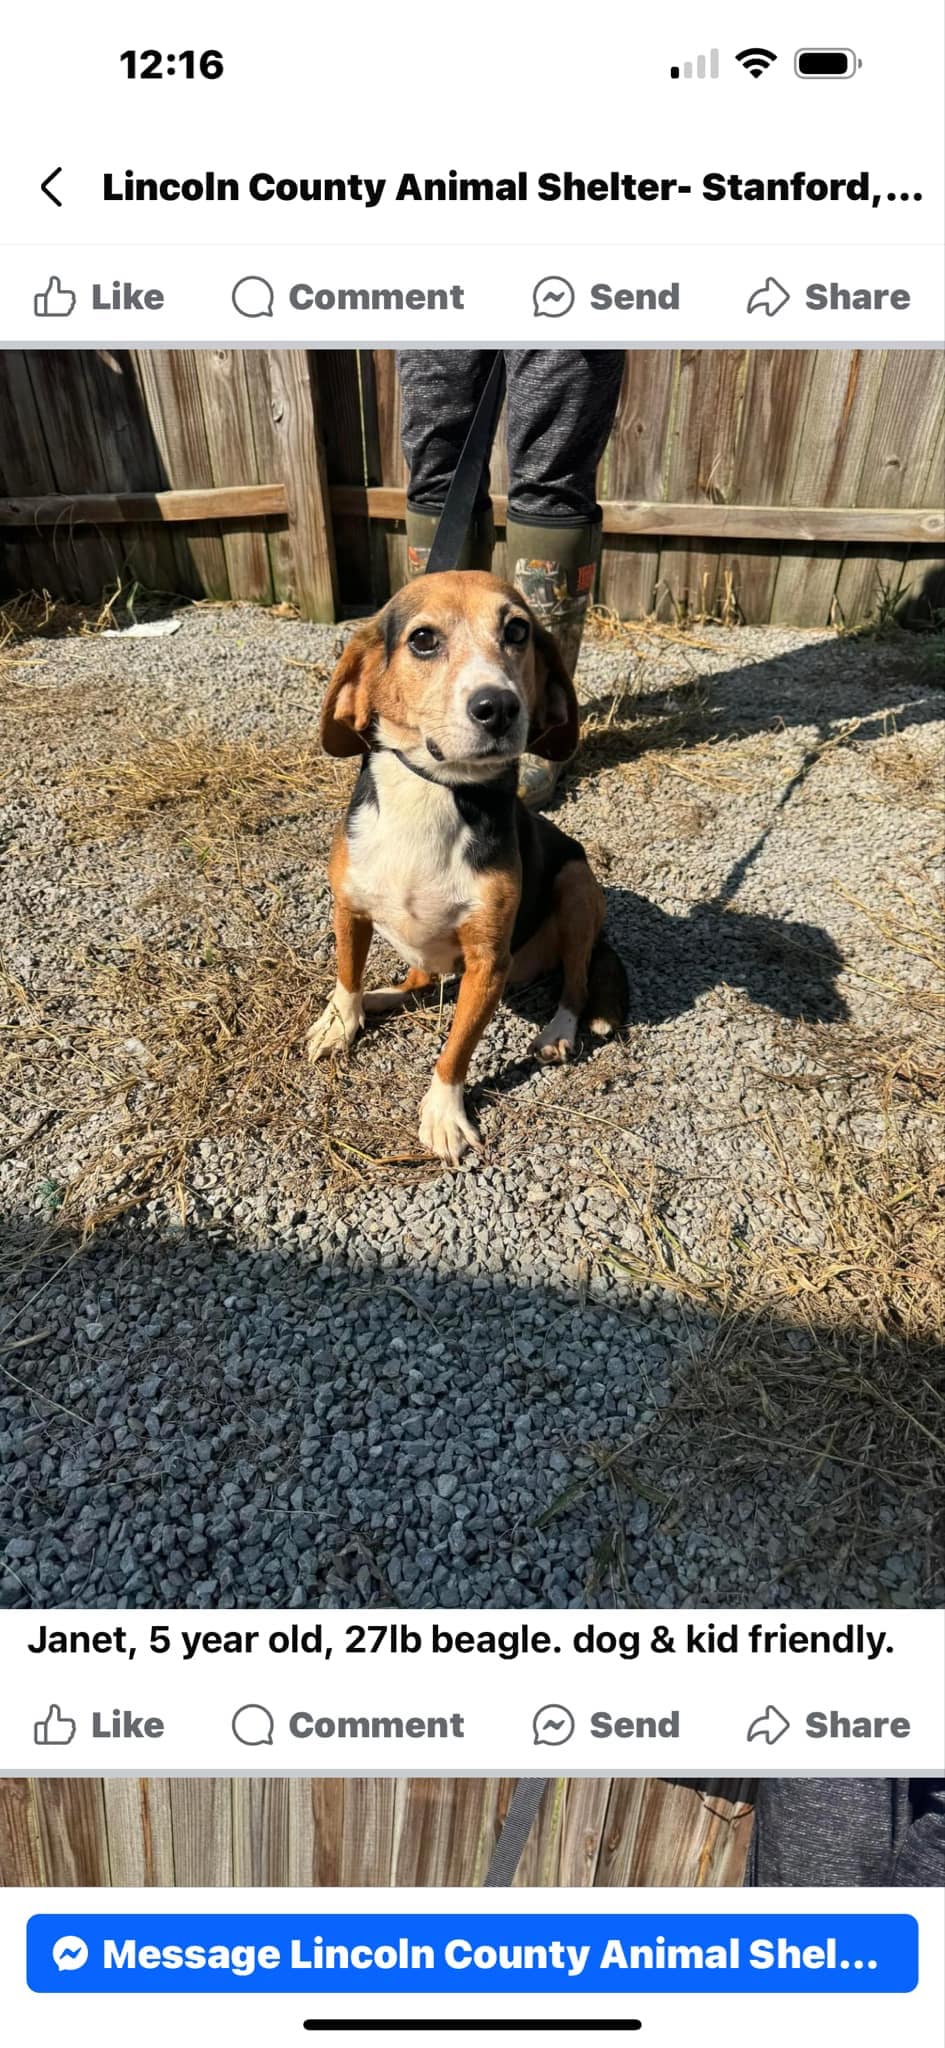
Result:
457,514
516,1828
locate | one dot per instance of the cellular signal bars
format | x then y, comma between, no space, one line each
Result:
704,67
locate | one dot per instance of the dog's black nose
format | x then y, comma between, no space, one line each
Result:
494,709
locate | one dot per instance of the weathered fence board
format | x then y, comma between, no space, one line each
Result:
769,435
702,448
73,1836
393,467
20,1855
130,460
140,1832
202,1830
841,402
261,1830
289,445
895,470
365,1831
582,1822
634,468
222,382
168,379
348,410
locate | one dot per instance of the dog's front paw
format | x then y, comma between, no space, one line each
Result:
337,1027
444,1126
556,1042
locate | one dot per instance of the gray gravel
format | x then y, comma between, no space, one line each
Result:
326,1389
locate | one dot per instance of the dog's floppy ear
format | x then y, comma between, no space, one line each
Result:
555,722
349,704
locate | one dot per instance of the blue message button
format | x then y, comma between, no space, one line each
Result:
472,1952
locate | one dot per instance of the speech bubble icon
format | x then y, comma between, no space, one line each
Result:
253,297
552,296
70,1952
253,1725
553,1725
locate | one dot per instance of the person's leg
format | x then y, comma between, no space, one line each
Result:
440,389
562,404
828,1831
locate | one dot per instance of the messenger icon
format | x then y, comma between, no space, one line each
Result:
552,1726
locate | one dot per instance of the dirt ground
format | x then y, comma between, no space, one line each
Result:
673,1339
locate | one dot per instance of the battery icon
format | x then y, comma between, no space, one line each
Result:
826,63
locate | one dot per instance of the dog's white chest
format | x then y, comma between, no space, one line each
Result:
408,866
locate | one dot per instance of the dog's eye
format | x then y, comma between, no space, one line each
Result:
516,632
424,641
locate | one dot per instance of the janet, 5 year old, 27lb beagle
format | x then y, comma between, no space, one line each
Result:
440,694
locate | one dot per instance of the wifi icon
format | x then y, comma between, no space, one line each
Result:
756,61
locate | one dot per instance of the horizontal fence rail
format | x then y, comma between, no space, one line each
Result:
135,508
925,526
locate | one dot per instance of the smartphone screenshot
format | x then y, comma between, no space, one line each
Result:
472,987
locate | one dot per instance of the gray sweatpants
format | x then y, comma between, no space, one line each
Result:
848,1831
561,407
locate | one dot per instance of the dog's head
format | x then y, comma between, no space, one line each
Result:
457,674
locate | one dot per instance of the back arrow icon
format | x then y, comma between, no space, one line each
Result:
47,182
771,295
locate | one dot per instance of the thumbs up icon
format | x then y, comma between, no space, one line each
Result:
57,1727
55,303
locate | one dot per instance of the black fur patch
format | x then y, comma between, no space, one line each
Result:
395,619
497,820
543,850
364,793
488,809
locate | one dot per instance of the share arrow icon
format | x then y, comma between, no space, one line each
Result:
771,1724
771,296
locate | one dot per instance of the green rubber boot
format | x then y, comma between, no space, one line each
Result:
554,567
476,554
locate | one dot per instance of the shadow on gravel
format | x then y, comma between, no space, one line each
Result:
783,965
830,685
186,1420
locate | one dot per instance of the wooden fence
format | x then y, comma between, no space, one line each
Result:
795,487
365,1831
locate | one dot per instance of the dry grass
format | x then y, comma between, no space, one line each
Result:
608,628
224,786
627,734
818,1342
818,1330
704,607
200,1042
911,925
906,774
191,1040
34,615
634,729
204,1041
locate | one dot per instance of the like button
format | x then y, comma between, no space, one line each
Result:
55,303
56,1728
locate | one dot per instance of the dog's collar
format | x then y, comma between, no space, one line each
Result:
501,785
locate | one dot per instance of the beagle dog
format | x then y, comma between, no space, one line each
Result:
439,695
